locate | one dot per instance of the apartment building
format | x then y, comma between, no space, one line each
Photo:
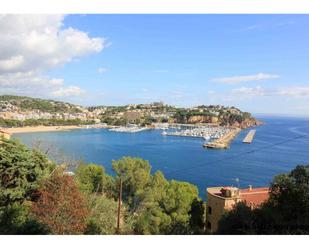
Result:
222,199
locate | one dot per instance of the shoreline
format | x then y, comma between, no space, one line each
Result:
41,128
31,129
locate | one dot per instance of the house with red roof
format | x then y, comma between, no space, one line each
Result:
222,199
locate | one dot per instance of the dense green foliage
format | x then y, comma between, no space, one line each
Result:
159,206
103,215
135,173
286,211
240,220
142,121
36,199
231,118
51,106
225,116
15,219
93,179
21,170
291,192
182,115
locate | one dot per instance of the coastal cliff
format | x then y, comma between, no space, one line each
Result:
202,119
249,122
234,119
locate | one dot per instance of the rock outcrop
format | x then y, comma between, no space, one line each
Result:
202,119
248,122
199,119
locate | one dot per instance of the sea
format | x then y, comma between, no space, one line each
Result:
278,146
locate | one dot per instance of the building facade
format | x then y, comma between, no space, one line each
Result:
223,199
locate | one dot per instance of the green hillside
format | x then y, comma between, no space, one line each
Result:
27,103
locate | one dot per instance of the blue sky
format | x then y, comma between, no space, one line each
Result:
258,63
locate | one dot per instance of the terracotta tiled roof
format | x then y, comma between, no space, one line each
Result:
255,196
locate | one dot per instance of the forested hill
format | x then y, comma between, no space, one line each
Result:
23,103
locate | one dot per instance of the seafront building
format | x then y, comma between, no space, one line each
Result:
222,199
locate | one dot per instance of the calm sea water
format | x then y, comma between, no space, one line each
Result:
278,147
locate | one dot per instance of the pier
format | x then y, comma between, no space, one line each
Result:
224,141
249,138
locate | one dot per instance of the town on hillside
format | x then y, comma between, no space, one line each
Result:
217,124
23,111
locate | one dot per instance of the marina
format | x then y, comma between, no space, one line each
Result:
224,141
129,129
249,138
207,133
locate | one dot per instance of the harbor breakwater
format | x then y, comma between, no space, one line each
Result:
224,141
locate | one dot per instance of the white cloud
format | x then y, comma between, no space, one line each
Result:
37,42
34,84
11,63
32,44
68,92
256,91
290,91
27,82
102,70
295,92
246,78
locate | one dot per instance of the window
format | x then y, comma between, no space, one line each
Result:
208,225
209,210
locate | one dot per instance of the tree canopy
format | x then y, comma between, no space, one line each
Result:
93,179
20,171
60,205
103,215
158,205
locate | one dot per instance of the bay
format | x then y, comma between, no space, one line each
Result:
278,146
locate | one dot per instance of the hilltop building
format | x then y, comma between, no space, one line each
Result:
222,199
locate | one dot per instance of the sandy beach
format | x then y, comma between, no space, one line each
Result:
41,129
